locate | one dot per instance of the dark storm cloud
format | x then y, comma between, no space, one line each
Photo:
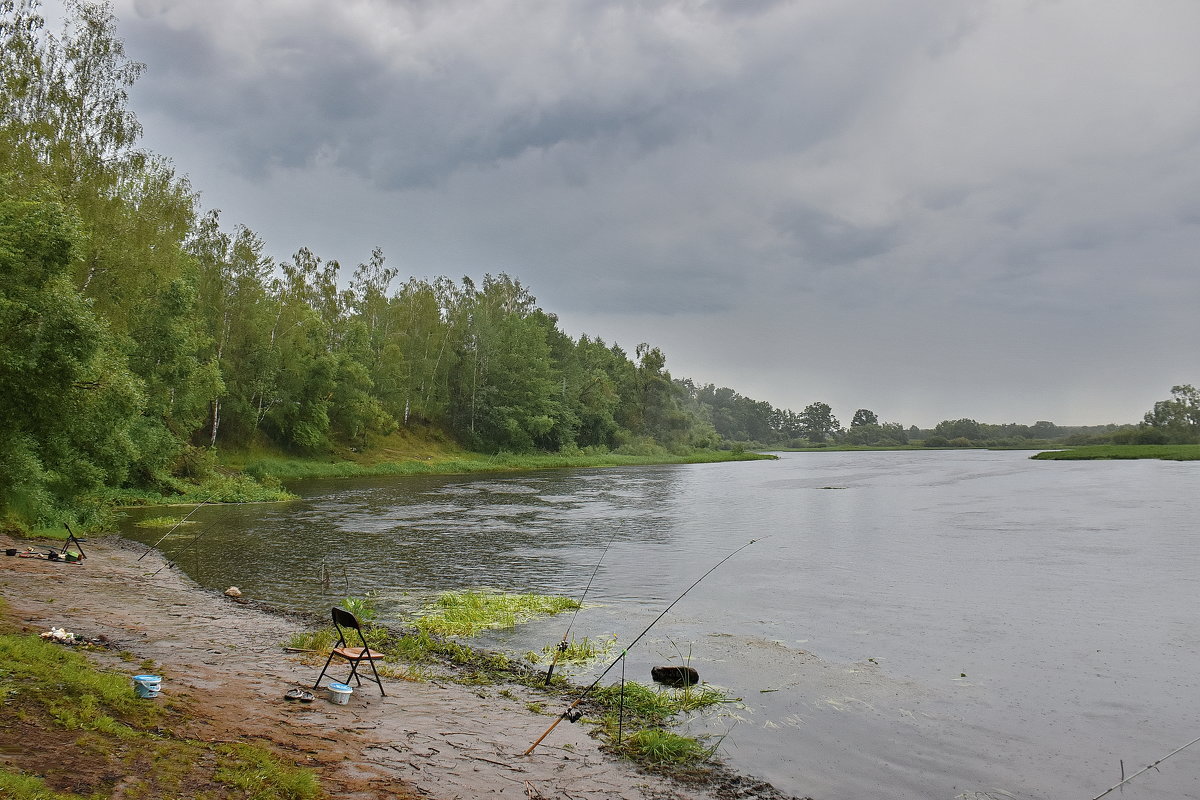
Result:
419,104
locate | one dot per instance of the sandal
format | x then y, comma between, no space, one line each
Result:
306,697
295,694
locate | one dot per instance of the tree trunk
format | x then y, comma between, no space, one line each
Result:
216,421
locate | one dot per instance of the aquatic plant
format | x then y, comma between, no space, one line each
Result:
651,705
468,613
662,747
162,522
578,651
363,608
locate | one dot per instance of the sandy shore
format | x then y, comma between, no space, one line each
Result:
424,739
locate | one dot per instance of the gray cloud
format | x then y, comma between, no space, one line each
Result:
755,174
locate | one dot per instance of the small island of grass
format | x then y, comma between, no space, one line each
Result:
1109,452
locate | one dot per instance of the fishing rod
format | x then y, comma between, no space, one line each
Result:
1144,769
185,548
562,646
571,708
176,525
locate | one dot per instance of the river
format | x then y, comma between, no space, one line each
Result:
925,625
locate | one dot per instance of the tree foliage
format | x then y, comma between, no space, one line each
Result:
1173,421
70,408
864,416
818,422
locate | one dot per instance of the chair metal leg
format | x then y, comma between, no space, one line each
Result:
353,673
322,675
378,682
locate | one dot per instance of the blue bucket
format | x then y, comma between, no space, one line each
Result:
147,686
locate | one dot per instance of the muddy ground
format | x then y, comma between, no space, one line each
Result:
424,739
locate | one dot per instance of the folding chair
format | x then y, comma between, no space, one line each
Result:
344,621
72,540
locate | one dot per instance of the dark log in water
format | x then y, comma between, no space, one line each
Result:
675,676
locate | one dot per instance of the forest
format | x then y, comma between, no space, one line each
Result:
141,335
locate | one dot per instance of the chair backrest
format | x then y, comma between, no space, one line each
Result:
344,619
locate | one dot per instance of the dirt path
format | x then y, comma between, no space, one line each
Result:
425,739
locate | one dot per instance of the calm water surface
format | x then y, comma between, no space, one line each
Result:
940,625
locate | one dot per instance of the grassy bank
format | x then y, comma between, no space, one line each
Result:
1165,452
284,469
848,448
58,708
256,474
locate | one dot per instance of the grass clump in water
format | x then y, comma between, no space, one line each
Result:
654,706
578,652
664,748
468,613
162,522
643,714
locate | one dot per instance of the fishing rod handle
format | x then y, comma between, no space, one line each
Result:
553,725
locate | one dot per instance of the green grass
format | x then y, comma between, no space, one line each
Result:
656,706
14,786
55,695
641,716
162,522
218,488
577,652
407,654
262,776
53,532
284,469
76,695
363,608
1165,452
663,748
468,613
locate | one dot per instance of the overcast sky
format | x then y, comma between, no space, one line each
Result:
929,208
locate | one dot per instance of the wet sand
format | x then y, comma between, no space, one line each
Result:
424,739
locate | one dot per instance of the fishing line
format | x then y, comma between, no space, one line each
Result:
199,535
568,714
185,548
562,646
176,525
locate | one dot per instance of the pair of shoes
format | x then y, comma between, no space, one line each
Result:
298,694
